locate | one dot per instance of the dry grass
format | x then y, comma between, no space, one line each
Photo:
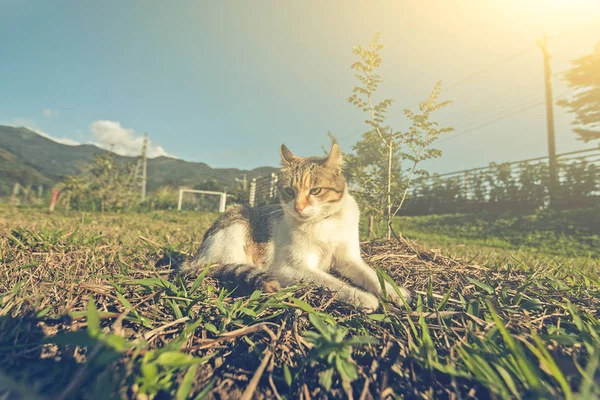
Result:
90,308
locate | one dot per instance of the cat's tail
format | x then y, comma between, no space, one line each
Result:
245,277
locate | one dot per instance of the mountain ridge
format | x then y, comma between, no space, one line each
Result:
29,158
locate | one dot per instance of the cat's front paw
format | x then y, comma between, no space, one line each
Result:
366,302
393,297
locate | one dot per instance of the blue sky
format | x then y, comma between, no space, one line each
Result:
227,82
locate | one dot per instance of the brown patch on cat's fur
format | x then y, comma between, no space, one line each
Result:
272,286
256,251
304,174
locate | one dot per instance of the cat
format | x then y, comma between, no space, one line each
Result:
312,232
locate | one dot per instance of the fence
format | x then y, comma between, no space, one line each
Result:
515,186
26,194
263,190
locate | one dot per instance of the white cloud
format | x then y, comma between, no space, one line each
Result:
32,126
110,135
50,113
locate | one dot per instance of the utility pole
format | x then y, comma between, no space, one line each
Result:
15,193
252,197
244,182
553,182
144,165
139,175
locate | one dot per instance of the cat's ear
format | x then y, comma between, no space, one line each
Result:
287,157
334,159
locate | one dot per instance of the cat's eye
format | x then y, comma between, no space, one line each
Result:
289,192
315,191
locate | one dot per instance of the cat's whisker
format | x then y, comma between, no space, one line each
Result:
279,210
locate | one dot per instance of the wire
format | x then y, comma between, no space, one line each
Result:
490,107
486,69
481,72
503,60
507,58
519,53
497,103
500,118
491,122
484,110
524,99
355,133
474,74
559,73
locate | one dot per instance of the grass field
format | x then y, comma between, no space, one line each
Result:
549,237
568,233
91,308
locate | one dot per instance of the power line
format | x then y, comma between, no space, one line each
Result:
492,121
500,118
559,73
488,68
500,107
522,89
490,107
508,58
503,60
497,103
474,74
486,117
483,109
481,72
355,133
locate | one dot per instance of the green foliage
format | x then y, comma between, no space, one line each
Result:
505,187
74,192
107,186
374,170
331,347
104,348
158,367
163,198
366,172
568,233
112,183
584,77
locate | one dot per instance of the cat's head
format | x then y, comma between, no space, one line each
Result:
311,188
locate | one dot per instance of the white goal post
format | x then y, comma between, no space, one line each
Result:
222,202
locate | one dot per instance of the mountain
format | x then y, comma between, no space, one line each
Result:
31,159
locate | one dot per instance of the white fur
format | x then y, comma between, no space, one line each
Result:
226,246
306,247
325,237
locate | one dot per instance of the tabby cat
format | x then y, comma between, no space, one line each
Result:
313,232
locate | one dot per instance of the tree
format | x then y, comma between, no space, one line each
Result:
107,185
112,183
209,184
73,190
366,170
378,154
584,77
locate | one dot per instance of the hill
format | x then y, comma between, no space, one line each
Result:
31,159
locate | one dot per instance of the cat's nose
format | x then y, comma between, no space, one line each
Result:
299,207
